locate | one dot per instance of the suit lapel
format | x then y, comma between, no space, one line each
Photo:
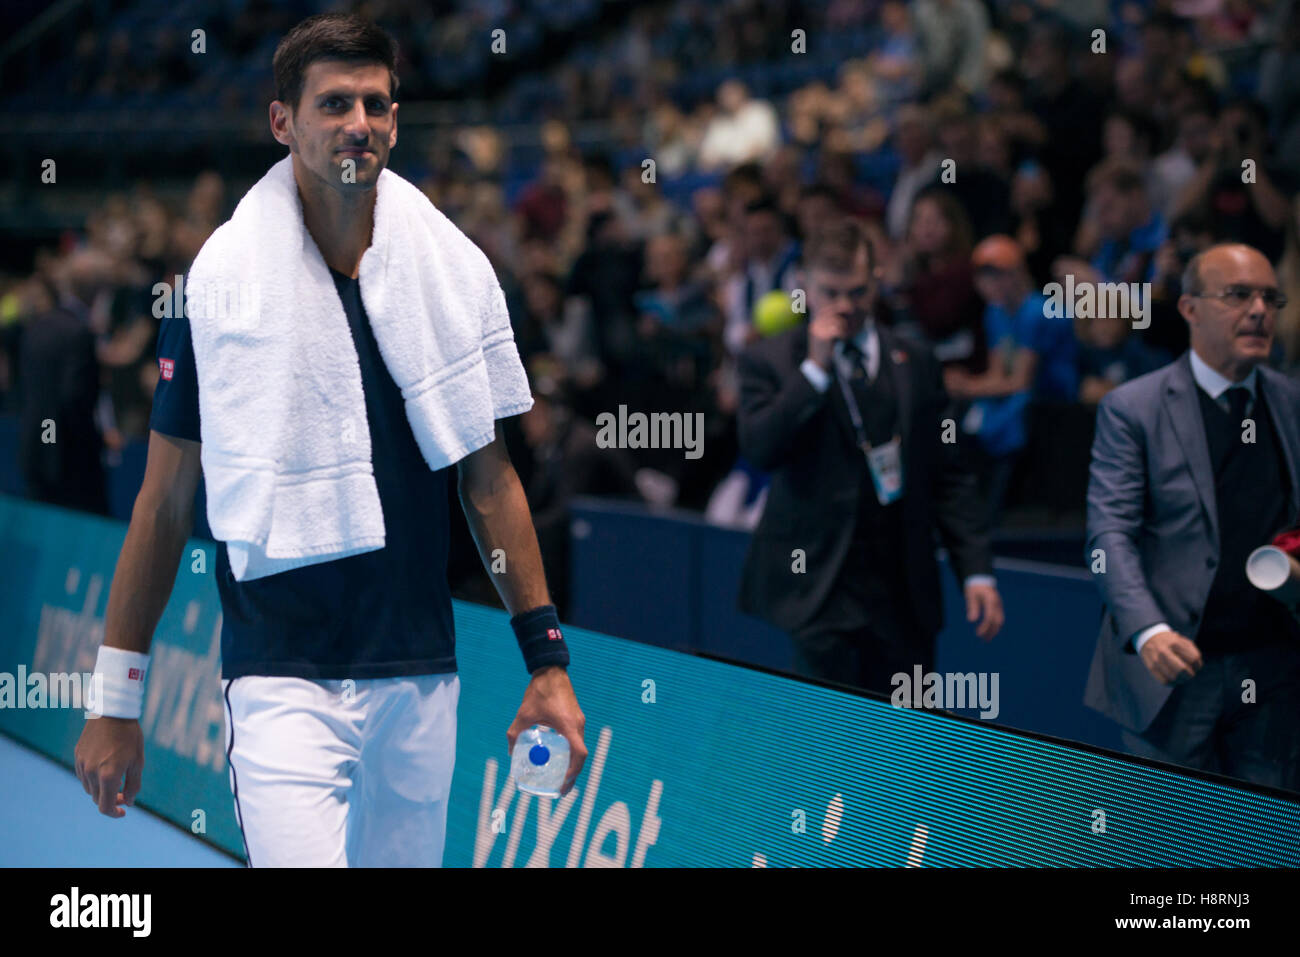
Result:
1185,413
893,359
1288,433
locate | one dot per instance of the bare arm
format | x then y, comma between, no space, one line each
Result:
497,511
161,523
498,516
996,383
109,757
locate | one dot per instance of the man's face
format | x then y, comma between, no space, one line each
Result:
1116,211
1241,132
765,236
1226,329
851,294
665,260
995,285
344,116
958,139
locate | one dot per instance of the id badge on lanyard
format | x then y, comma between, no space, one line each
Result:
886,464
884,461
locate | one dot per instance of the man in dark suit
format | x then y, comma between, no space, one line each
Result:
848,419
1194,466
59,442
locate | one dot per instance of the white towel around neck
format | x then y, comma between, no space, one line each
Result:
286,444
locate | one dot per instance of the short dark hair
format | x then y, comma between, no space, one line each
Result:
330,36
1251,107
1144,127
749,172
834,246
819,188
1121,174
1013,78
962,234
764,203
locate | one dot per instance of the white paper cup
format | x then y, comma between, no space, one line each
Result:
1274,571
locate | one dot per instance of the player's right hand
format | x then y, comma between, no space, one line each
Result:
823,330
1172,658
110,749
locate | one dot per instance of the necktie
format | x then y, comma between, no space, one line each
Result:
855,362
1238,397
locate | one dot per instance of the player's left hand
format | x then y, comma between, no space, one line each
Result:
550,700
984,604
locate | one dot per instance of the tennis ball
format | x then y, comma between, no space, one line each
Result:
774,313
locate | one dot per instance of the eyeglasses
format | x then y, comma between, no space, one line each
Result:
1239,295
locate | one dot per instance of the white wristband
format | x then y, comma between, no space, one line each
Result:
119,683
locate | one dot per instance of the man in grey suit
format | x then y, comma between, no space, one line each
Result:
1194,466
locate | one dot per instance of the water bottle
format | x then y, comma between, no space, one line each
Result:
540,761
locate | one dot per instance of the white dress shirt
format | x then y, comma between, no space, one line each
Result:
1215,384
868,342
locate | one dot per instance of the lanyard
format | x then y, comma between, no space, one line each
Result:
851,401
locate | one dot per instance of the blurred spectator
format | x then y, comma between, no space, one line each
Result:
984,194
896,61
1125,230
1279,86
770,261
913,138
673,138
1252,211
934,275
567,462
818,203
1110,354
1031,355
953,34
543,204
674,317
856,113
1175,168
1069,112
546,328
1132,136
601,284
743,129
60,444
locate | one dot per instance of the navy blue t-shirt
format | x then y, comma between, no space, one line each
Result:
379,614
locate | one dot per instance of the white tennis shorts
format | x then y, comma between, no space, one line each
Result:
342,774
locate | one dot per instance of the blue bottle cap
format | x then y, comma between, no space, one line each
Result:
539,754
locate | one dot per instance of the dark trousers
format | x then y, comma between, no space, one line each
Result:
863,636
1205,724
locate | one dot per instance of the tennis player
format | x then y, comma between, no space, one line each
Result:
339,676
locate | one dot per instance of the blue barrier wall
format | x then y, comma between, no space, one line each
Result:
670,579
682,767
625,556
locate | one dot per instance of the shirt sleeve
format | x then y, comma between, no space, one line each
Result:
176,397
507,380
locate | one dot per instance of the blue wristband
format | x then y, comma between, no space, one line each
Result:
540,639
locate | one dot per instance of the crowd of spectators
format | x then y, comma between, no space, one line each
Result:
990,148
